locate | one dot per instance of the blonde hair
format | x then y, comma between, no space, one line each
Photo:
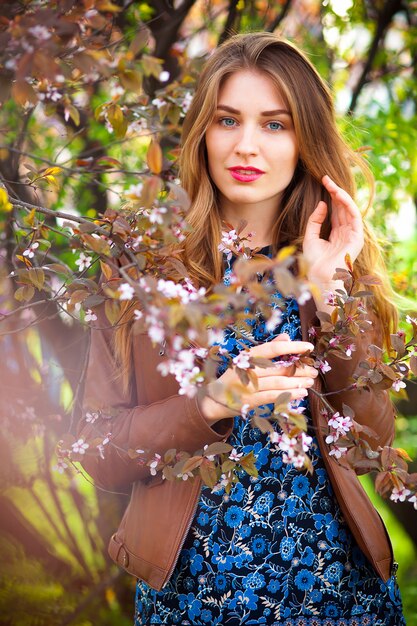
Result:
321,151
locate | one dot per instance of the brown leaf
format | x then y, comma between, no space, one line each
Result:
106,269
369,280
24,294
218,447
413,364
192,463
112,311
154,157
209,473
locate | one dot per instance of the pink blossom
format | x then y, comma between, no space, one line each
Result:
339,425
154,464
304,296
126,291
242,360
337,451
398,384
235,455
90,316
80,446
413,499
330,299
156,215
323,366
244,411
399,494
30,251
91,417
350,348
274,320
83,261
60,467
209,457
312,332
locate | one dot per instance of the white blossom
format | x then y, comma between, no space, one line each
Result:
274,320
244,411
215,336
158,102
350,348
60,467
337,451
156,215
242,360
126,291
235,455
164,76
186,103
83,261
154,464
304,296
30,251
156,333
330,298
134,191
399,495
90,316
398,384
39,32
80,446
413,500
323,366
91,417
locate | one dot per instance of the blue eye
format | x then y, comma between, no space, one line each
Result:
275,125
227,121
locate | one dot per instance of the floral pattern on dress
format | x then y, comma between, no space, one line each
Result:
276,550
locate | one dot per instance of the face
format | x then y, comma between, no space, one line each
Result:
251,145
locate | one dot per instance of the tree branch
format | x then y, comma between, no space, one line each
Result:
390,8
231,17
277,21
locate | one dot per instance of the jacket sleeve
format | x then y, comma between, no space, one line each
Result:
372,408
174,422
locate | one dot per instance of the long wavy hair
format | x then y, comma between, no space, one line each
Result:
322,151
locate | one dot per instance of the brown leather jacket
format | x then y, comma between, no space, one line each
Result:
153,416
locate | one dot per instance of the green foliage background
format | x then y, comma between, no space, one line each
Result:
54,529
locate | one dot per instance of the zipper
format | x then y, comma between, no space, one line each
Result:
162,348
186,531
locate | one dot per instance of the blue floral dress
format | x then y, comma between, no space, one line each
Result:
276,551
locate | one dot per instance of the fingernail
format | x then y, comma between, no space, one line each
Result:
310,381
303,393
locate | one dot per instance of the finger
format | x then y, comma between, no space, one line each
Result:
283,383
341,197
282,337
315,222
282,370
280,348
269,397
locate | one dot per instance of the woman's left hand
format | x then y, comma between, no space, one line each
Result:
346,236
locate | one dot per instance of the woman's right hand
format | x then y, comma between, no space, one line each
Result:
271,380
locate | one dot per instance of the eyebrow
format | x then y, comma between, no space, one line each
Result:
225,107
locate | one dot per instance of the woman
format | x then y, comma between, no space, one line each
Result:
260,143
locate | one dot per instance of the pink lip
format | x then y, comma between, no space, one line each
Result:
245,174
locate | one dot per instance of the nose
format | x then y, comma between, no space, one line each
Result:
247,141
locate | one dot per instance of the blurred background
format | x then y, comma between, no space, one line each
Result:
83,86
